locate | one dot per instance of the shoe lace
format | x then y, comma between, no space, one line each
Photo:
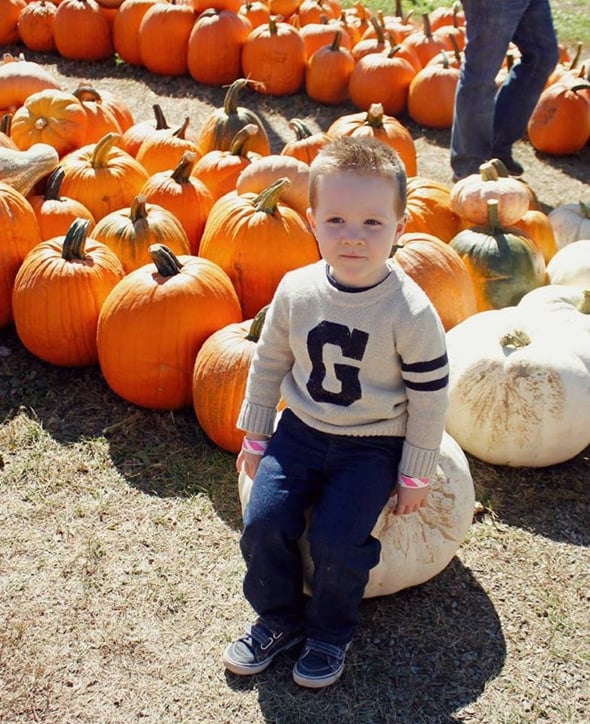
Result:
260,634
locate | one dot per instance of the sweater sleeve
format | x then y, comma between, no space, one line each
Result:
425,371
271,362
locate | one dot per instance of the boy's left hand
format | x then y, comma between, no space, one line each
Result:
409,499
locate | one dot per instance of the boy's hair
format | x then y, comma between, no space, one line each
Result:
362,155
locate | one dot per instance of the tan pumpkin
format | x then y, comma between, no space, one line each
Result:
264,171
439,270
470,196
23,169
153,323
570,222
58,292
130,232
571,265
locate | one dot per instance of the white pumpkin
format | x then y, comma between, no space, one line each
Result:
415,547
570,222
571,265
560,304
519,389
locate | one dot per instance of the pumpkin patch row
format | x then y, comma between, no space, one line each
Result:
332,53
144,249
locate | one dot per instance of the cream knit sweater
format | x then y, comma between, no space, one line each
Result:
353,363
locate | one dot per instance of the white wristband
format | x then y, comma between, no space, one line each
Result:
255,447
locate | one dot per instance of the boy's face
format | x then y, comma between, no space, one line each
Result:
356,225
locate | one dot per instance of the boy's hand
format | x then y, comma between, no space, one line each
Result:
412,494
253,447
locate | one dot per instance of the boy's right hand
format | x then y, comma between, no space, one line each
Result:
253,447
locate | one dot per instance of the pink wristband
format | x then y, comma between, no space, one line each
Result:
406,481
255,447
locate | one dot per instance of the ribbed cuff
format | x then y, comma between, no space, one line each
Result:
254,418
418,462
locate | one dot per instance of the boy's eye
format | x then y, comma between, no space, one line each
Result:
373,222
334,220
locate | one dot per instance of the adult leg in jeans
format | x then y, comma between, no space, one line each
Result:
490,28
361,475
537,42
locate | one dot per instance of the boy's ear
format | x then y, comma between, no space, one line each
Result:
401,225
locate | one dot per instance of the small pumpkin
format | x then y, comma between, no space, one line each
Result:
429,209
58,293
570,222
163,37
56,213
470,196
130,232
153,323
503,264
307,143
328,71
163,149
126,24
81,31
221,125
36,26
439,270
265,170
102,176
219,380
255,239
20,78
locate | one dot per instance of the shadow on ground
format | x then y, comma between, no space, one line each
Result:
396,670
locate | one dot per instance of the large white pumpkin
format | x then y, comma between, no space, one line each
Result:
519,388
571,265
415,547
570,222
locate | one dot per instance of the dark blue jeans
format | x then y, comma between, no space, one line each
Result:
487,122
347,480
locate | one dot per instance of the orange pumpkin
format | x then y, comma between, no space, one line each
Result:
273,55
163,37
319,34
424,42
130,231
215,47
20,233
58,293
219,380
50,116
256,239
256,12
135,135
100,120
328,72
376,124
81,31
163,149
153,323
126,29
440,271
20,78
102,176
307,144
36,26
184,195
9,14
536,225
431,95
429,209
56,213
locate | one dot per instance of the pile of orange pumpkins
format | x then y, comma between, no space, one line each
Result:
152,248
287,46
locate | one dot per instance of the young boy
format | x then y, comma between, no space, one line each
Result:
357,351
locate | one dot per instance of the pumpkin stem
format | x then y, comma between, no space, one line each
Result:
230,102
53,185
102,148
494,224
257,324
375,115
6,124
584,305
85,92
516,339
238,145
138,209
166,261
378,28
489,170
180,132
585,210
301,129
182,171
500,168
268,199
75,240
161,122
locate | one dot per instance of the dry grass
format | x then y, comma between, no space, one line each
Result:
120,575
